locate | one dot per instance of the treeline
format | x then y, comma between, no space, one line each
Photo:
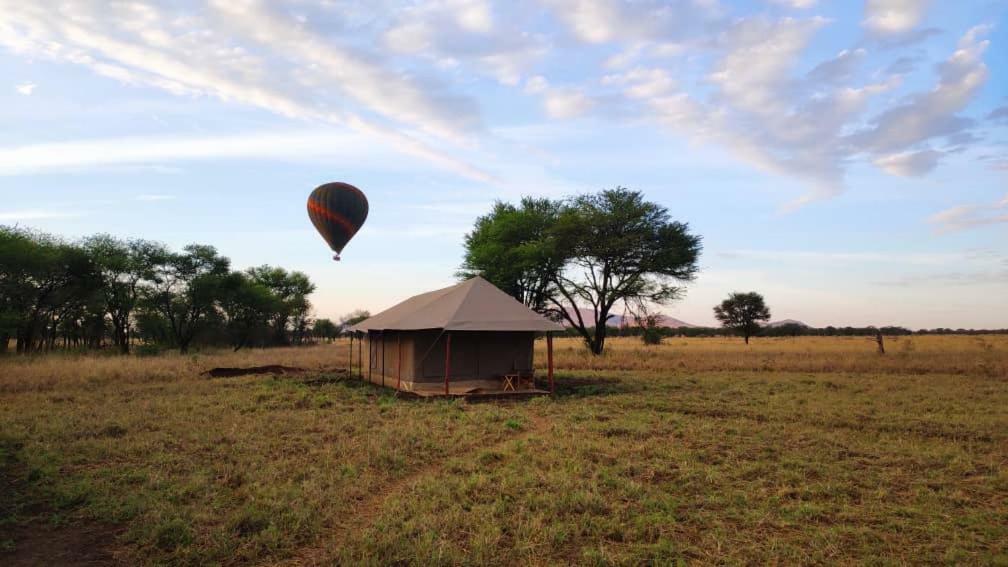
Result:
106,292
791,331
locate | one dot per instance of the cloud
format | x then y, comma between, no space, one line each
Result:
910,164
559,102
902,66
839,69
757,107
566,103
34,215
391,94
467,33
980,277
604,21
932,114
963,217
155,197
90,153
811,126
855,257
894,16
999,114
192,54
25,88
797,4
750,82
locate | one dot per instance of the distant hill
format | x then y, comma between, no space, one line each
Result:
617,320
674,323
787,322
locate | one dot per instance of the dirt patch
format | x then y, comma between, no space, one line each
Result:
27,537
78,544
269,369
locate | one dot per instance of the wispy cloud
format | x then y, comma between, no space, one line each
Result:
964,217
25,88
37,214
212,53
408,75
155,197
432,231
283,145
834,257
894,16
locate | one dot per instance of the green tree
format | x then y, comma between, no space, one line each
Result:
43,283
619,247
592,252
246,306
184,289
353,317
325,329
742,313
513,248
292,290
122,266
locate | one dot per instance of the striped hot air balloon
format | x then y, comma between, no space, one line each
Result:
337,210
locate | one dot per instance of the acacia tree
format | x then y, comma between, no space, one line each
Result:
44,282
184,289
292,290
591,253
122,268
512,246
246,306
325,329
352,318
742,313
618,247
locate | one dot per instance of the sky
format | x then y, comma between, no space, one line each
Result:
848,160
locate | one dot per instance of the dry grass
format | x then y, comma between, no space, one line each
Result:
985,355
790,451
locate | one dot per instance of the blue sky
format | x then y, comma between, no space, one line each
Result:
848,160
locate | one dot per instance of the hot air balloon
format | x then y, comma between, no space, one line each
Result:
337,210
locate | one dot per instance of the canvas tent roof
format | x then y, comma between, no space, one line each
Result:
473,305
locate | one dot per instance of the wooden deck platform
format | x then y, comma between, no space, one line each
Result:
469,389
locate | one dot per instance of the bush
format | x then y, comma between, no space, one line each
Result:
651,336
149,349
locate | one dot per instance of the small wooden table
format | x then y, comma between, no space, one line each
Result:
509,381
515,380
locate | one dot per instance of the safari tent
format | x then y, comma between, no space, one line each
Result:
470,338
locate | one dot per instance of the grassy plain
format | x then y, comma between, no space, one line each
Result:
807,450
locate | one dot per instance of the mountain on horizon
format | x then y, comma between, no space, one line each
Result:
783,322
618,320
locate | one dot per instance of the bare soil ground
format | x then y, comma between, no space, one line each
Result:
30,538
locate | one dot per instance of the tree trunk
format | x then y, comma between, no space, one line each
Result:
747,338
120,337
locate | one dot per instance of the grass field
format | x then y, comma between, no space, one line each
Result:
808,450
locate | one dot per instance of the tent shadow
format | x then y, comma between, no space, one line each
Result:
575,387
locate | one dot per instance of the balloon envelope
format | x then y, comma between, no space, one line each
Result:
337,210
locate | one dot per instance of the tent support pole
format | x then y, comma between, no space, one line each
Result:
350,366
447,361
383,359
398,383
549,358
370,357
360,356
